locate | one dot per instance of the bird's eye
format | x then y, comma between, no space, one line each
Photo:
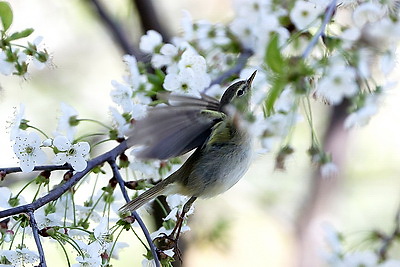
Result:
240,92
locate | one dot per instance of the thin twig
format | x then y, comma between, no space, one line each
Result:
319,33
36,236
121,183
61,189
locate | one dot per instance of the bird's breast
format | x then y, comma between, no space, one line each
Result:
219,168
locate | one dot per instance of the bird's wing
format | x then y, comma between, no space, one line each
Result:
205,102
173,130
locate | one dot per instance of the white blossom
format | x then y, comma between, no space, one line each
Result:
285,101
362,115
255,8
338,83
91,254
119,122
51,219
273,128
38,42
20,257
134,77
387,62
139,111
5,195
150,41
19,117
6,67
193,61
191,78
214,90
73,154
245,32
102,234
362,258
166,57
390,263
351,34
328,170
367,12
176,202
122,96
65,125
382,34
187,25
186,81
28,151
210,35
88,212
145,169
304,14
332,237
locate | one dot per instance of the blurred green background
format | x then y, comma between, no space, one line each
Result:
254,223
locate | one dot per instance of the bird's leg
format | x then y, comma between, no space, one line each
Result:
178,226
174,236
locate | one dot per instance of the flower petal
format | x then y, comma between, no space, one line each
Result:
60,158
62,143
26,164
82,148
78,163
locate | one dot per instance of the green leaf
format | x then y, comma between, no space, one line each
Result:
273,57
21,34
273,94
157,80
6,15
331,42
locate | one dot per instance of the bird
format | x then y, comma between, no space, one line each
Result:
212,128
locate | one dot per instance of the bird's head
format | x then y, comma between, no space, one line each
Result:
238,94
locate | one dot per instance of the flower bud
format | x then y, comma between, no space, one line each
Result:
8,236
48,142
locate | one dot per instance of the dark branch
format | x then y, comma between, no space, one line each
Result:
54,194
116,30
149,18
36,236
61,189
38,168
121,183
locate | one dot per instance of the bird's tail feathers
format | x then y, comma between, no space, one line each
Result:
153,192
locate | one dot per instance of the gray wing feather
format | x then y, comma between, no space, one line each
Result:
205,102
171,131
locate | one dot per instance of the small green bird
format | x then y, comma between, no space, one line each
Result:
223,147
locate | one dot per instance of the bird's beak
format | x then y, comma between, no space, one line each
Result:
250,80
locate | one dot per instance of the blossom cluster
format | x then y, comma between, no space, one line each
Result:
28,145
293,70
84,228
15,58
338,256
